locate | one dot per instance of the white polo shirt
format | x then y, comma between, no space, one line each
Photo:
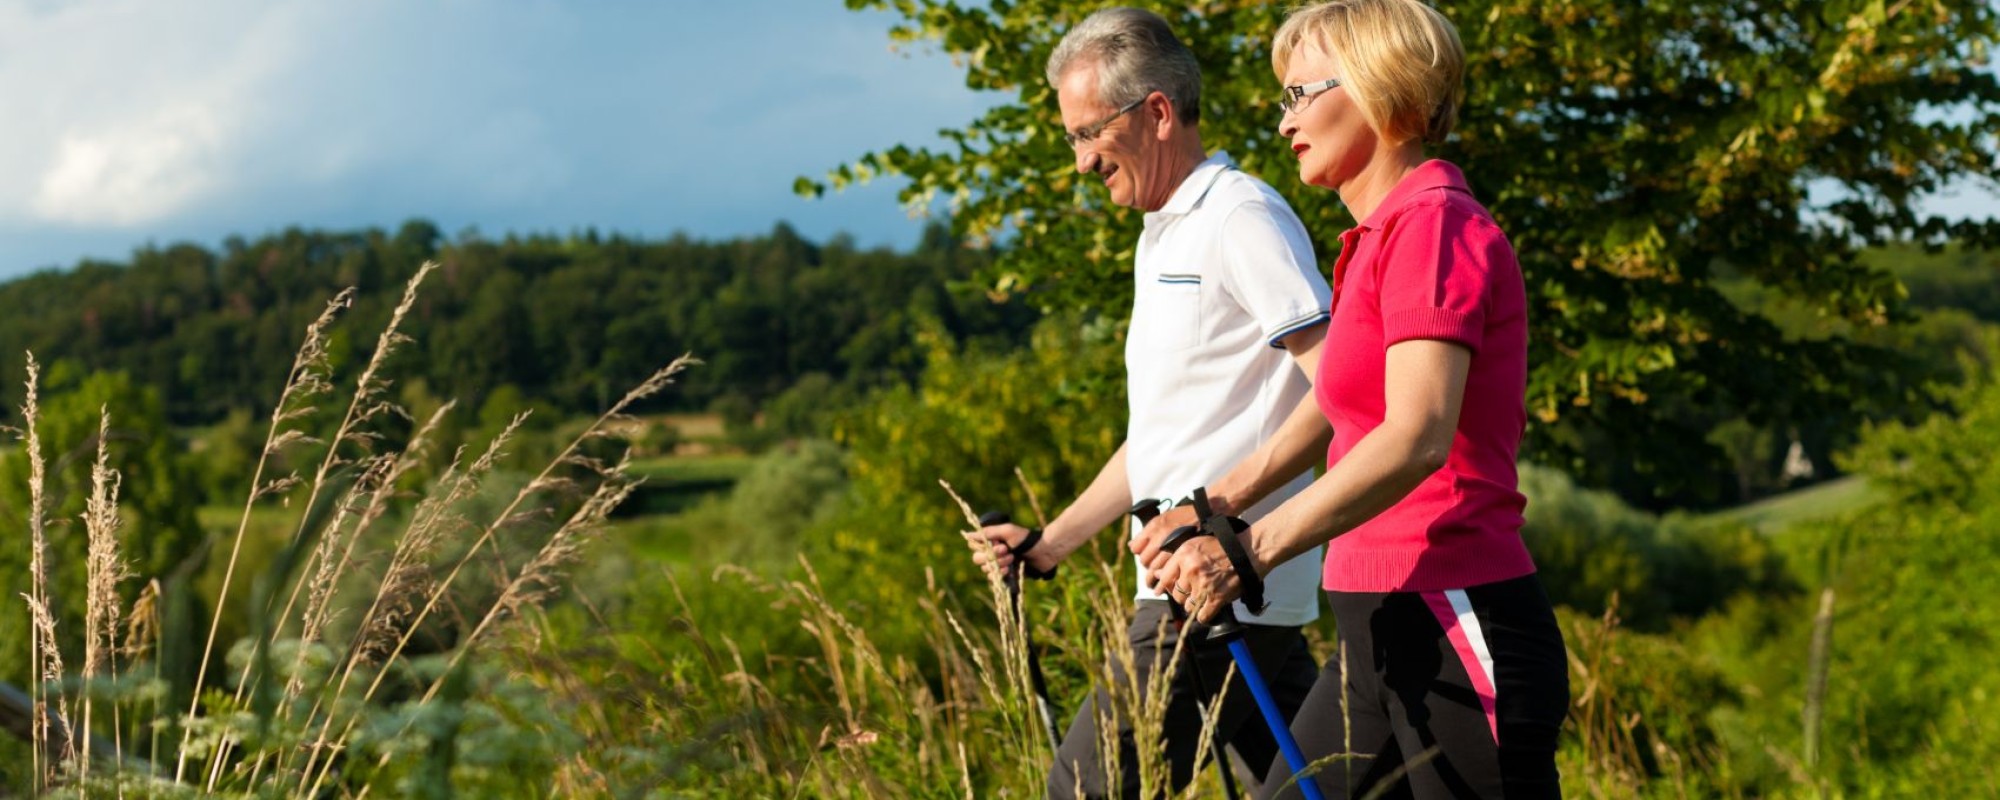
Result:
1223,271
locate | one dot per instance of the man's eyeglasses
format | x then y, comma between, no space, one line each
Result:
1087,133
1297,97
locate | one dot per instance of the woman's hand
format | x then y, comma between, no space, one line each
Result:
1200,578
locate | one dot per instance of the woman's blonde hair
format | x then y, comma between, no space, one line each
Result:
1400,60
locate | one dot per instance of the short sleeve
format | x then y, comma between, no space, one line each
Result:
1268,267
1437,270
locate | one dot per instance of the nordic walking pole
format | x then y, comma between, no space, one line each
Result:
1035,676
1226,628
1144,511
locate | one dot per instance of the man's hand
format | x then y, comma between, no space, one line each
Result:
997,557
1198,575
1147,545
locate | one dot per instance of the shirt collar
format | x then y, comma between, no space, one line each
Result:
1433,174
1195,186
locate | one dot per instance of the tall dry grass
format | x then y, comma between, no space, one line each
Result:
105,569
836,713
841,716
328,680
322,651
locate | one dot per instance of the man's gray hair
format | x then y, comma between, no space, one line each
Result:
1135,54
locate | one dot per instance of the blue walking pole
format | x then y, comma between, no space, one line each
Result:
1294,758
1227,629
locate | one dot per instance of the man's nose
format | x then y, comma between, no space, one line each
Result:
1086,161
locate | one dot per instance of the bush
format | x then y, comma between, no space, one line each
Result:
973,419
1589,547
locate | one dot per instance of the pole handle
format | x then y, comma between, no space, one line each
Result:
1021,565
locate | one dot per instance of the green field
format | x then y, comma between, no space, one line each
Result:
725,468
1773,514
673,483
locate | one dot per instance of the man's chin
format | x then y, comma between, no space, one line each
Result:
1122,196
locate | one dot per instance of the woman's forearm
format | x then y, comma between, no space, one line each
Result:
1423,390
1382,469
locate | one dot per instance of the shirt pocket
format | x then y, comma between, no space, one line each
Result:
1173,312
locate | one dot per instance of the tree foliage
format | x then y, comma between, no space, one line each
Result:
1636,153
972,419
567,320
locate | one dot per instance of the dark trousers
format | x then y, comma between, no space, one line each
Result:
1445,695
1281,655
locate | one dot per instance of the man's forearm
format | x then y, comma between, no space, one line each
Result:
1102,503
1299,444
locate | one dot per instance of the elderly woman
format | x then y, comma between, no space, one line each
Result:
1451,680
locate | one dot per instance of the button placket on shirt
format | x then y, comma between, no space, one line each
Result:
1350,240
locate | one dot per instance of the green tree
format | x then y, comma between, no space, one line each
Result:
568,320
157,494
1633,152
226,455
972,418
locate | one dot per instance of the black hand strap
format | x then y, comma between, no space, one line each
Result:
1145,510
1028,542
1227,532
1033,538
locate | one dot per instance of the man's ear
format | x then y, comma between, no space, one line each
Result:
1165,120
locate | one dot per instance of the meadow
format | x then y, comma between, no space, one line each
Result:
399,514
395,618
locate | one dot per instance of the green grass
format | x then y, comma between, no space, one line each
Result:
675,483
693,427
224,517
1773,514
663,538
687,469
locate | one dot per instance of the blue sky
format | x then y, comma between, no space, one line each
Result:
135,121
127,122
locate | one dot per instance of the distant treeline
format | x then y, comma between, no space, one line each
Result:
571,321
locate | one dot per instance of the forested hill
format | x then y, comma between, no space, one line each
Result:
572,321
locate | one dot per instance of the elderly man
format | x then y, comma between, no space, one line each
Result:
1228,314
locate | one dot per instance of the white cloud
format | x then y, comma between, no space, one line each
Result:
135,172
125,113
122,112
126,121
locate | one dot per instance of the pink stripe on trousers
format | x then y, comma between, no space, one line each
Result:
1482,683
